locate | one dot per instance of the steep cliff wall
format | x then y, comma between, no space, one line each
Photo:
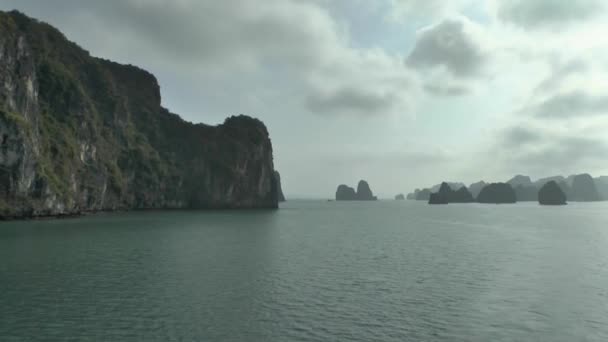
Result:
78,134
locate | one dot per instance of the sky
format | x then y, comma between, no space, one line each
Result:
401,93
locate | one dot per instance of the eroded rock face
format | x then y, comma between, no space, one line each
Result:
80,134
497,193
551,194
279,187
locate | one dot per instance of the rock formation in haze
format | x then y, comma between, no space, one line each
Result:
566,189
279,187
400,197
558,179
442,195
520,180
462,195
497,193
363,193
551,194
601,183
345,193
452,185
525,193
79,134
583,189
446,195
423,195
476,188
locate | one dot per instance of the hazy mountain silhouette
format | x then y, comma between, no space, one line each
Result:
520,180
476,188
583,189
446,195
539,183
601,183
497,193
452,185
526,193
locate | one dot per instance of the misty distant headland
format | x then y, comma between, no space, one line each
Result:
556,190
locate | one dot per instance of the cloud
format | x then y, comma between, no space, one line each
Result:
407,10
565,152
351,100
529,147
561,72
518,135
534,14
446,90
234,45
572,104
452,44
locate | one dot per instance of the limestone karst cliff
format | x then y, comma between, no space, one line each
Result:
279,187
79,133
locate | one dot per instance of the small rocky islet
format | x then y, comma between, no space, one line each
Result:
551,194
363,193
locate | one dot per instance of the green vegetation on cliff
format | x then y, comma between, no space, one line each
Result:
85,134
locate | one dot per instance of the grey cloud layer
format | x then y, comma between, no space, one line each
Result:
351,100
572,104
548,13
534,149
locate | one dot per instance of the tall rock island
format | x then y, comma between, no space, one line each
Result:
80,134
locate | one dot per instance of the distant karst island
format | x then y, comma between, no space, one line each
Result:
363,193
556,190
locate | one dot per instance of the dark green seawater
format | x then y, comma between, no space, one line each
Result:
312,271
